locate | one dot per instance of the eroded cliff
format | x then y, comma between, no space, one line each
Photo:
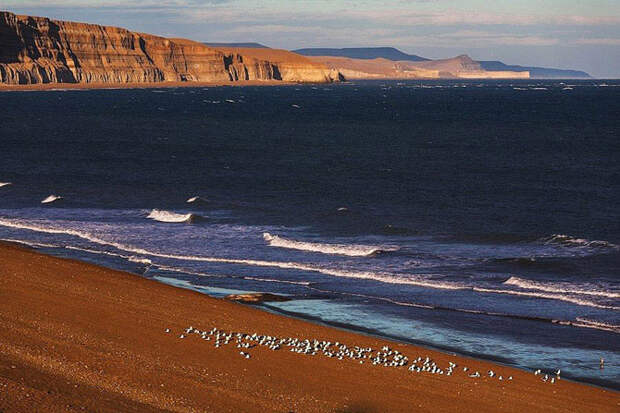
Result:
40,50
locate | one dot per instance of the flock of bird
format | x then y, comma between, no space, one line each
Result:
385,357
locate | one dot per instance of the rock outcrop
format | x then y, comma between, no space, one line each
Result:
40,50
255,298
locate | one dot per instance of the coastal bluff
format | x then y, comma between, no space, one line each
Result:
38,50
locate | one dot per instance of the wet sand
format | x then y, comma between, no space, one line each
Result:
78,337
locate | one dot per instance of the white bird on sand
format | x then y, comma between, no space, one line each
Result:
167,330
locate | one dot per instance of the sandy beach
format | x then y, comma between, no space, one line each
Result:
78,337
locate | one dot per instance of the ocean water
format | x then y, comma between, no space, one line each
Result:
482,217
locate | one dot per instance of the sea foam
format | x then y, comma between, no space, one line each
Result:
171,217
51,198
560,287
568,241
420,280
332,249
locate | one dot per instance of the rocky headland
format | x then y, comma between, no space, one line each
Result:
38,50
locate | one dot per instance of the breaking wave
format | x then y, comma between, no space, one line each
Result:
584,322
389,278
579,322
331,249
51,198
172,217
4,184
376,276
31,244
568,241
549,296
558,287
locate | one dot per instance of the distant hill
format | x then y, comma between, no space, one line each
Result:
393,54
536,72
460,67
369,53
242,45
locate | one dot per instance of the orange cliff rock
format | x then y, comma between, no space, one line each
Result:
35,50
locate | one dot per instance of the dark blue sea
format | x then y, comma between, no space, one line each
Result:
479,217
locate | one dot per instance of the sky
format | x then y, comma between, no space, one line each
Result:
570,34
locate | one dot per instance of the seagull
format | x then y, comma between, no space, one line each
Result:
167,330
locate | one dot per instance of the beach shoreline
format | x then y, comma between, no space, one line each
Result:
76,336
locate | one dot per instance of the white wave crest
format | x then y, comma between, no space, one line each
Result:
30,243
547,295
559,287
193,199
568,241
51,198
381,277
418,280
171,217
584,322
4,184
332,249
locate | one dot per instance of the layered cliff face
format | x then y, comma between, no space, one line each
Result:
39,50
290,67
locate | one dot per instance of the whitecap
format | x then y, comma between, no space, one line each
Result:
171,217
351,250
4,184
584,322
547,295
194,199
568,241
560,287
51,198
31,244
